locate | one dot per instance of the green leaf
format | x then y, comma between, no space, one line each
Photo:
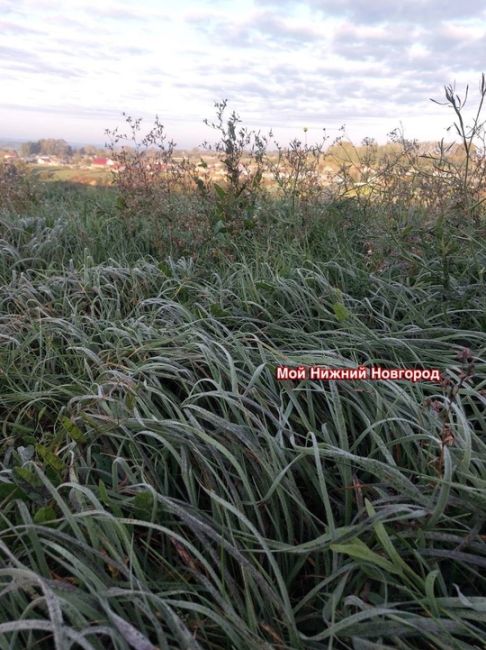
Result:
9,491
143,503
218,311
27,476
44,514
341,311
220,191
130,401
49,457
358,550
165,268
29,440
389,548
103,493
101,462
264,285
72,430
219,227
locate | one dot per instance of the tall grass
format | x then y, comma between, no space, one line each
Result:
161,489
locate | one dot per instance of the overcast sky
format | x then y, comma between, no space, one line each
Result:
69,71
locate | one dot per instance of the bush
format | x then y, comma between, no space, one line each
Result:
17,188
153,185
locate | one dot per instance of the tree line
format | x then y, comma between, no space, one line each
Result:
59,148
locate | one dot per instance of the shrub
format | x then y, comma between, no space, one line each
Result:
155,188
17,188
243,153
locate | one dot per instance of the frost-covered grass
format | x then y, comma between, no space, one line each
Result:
160,489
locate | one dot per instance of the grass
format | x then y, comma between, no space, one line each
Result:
60,174
160,488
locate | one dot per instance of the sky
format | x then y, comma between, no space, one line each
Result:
70,70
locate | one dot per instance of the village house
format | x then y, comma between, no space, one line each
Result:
102,162
10,155
47,160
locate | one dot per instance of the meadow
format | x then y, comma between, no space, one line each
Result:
160,488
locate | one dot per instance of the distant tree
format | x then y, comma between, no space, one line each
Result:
92,150
29,149
53,147
88,150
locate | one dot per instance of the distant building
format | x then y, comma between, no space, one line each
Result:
102,162
47,160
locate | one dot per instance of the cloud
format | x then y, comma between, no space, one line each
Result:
358,43
283,32
9,27
71,111
418,12
16,54
116,13
15,58
261,29
316,62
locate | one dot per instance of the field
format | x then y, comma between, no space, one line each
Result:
161,488
73,174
